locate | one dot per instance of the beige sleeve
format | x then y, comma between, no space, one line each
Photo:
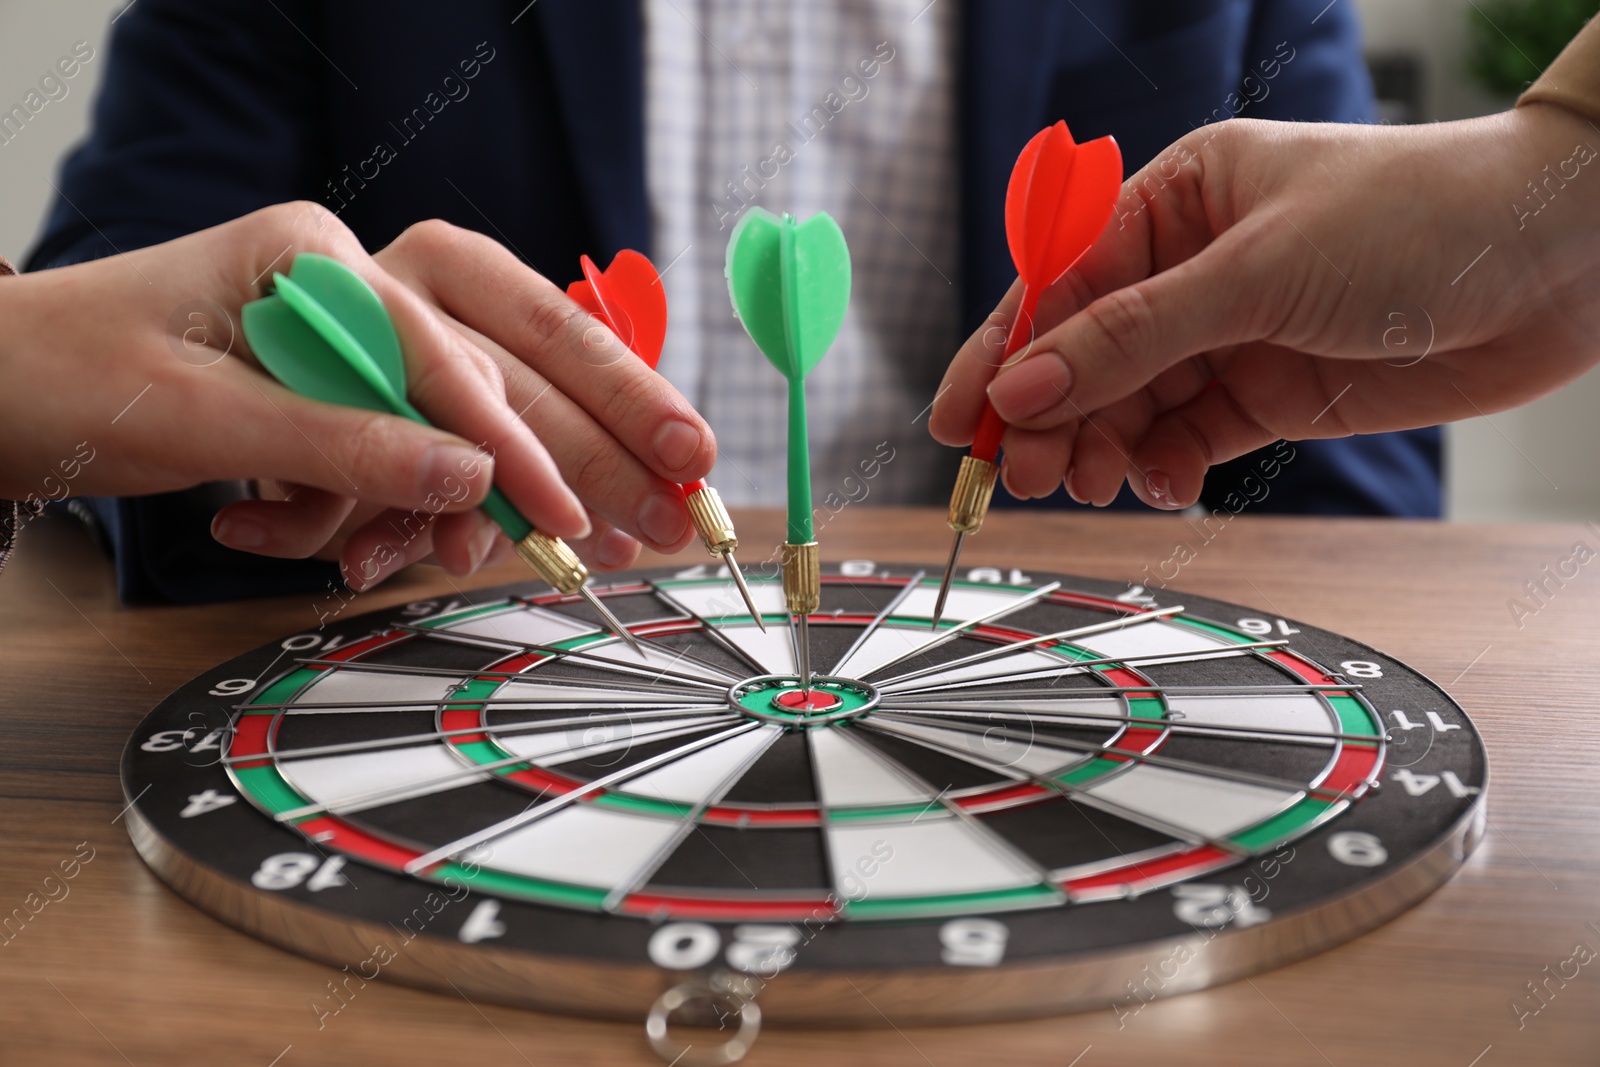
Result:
1573,80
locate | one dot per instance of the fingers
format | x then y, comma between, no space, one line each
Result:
483,285
385,546
1036,460
293,528
1122,340
449,385
611,481
249,426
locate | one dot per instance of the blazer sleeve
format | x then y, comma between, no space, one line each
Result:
1305,63
201,118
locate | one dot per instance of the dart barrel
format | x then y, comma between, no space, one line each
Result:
712,520
969,501
554,561
802,578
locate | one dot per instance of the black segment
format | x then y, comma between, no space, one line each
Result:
782,775
724,857
1063,833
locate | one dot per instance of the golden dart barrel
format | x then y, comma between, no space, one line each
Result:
969,501
711,519
554,561
802,578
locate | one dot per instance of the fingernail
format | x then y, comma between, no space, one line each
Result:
676,444
445,467
239,533
663,518
1033,386
478,551
1071,491
616,549
1160,488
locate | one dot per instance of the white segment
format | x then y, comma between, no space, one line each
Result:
358,687
935,854
1287,711
716,600
774,650
326,779
695,777
525,625
1027,757
849,776
965,602
1210,807
598,739
1027,659
581,844
1153,639
543,695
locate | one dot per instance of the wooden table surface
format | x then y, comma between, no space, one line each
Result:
120,970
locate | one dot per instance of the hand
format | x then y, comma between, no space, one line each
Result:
1282,280
620,435
129,375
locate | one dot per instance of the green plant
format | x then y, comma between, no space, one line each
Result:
1510,42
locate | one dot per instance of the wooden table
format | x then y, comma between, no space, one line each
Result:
120,970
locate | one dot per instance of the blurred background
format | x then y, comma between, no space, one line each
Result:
1431,60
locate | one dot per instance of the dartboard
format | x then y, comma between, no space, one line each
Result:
1069,794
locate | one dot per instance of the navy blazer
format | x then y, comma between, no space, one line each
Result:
525,121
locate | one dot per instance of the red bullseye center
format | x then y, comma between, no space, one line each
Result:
807,700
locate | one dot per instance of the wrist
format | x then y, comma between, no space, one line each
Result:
1556,208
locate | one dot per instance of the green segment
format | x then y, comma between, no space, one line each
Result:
518,885
1283,825
953,904
269,789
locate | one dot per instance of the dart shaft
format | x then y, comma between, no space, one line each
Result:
800,530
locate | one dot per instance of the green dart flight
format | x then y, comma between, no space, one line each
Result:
790,285
326,335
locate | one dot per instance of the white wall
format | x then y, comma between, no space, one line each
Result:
1535,463
33,35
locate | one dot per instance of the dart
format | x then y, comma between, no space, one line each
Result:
790,286
326,335
1059,199
630,300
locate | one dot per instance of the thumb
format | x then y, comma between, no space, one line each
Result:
1121,341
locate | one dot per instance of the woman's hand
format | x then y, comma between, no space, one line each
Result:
130,375
1283,280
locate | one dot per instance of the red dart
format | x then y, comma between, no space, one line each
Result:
1059,200
629,299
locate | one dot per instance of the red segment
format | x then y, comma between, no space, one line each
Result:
731,816
1004,796
250,737
360,648
1301,667
1351,772
648,904
1205,856
346,838
807,700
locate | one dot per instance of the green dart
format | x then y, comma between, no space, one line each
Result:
326,335
790,285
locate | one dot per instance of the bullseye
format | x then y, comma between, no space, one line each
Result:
803,700
779,698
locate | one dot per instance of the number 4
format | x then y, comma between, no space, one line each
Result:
209,800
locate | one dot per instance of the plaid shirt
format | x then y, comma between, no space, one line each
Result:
838,106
